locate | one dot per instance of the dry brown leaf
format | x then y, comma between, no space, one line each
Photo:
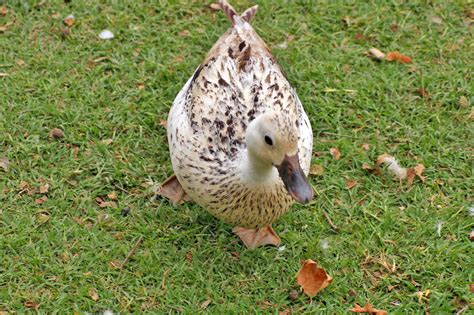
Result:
106,141
424,93
3,28
316,170
189,257
215,6
172,189
21,62
140,86
41,200
471,114
69,20
4,163
93,295
367,309
410,175
205,304
393,166
471,287
115,264
471,237
394,27
377,54
398,57
366,146
463,102
285,312
56,133
335,153
312,278
112,196
184,33
31,305
44,189
3,10
351,183
163,123
105,204
419,171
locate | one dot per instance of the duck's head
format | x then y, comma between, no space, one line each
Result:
272,140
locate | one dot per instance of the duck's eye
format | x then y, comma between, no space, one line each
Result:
268,140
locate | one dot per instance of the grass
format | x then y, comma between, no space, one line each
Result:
55,253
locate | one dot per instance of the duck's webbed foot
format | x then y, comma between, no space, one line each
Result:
253,238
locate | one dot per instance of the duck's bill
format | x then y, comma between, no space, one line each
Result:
294,179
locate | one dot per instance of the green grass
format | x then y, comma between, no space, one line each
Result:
90,88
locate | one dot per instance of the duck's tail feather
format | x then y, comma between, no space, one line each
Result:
232,15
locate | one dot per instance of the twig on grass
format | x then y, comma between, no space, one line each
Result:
334,227
131,252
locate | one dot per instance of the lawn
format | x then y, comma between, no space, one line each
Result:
403,248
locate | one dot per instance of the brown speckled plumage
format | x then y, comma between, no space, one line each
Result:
238,81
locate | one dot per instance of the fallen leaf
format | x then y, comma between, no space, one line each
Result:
43,217
294,295
189,257
423,295
471,114
56,133
106,34
335,153
398,57
419,171
366,146
178,59
184,33
3,10
393,166
316,169
350,183
471,237
367,309
312,278
163,123
172,189
3,74
140,86
205,304
112,196
69,20
463,102
436,20
4,163
106,141
115,264
93,295
285,312
394,27
424,93
44,189
215,6
471,287
3,28
41,200
31,304
21,62
377,54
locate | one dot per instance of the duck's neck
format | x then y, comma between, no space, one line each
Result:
254,169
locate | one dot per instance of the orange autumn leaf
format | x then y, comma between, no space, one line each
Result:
350,183
172,190
336,154
41,200
398,57
31,305
312,278
367,309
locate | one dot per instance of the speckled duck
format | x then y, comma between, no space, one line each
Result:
240,140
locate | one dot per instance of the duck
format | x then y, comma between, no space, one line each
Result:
240,141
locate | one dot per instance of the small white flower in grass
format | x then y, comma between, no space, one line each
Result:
471,211
106,34
324,244
438,228
281,248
